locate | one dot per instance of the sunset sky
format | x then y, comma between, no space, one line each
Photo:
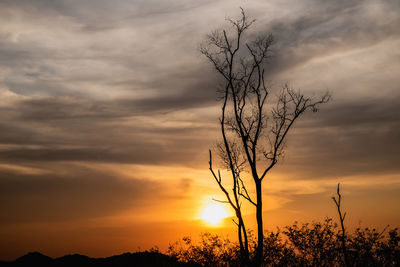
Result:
108,109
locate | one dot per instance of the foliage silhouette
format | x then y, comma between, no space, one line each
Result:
307,244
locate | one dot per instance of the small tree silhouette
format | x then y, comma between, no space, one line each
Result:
342,216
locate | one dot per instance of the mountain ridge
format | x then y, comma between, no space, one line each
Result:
145,259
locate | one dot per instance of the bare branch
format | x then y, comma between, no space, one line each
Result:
220,201
218,180
246,194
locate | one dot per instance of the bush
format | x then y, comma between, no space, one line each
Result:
315,244
211,251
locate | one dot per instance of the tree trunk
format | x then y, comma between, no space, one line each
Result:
244,245
240,238
260,240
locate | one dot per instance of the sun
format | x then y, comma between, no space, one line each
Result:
213,213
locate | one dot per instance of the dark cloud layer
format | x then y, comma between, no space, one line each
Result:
349,139
79,193
58,198
327,28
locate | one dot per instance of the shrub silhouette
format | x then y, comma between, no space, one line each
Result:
307,244
212,250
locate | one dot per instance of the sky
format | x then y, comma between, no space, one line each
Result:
108,109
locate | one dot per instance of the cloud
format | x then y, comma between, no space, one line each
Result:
66,129
319,29
344,139
78,193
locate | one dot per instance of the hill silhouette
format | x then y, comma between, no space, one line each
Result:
127,259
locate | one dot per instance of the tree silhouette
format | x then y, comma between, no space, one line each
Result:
342,216
253,136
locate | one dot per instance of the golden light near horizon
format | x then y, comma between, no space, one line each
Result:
213,213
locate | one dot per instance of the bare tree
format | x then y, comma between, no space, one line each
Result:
342,216
253,135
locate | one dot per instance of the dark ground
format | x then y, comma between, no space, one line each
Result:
141,259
